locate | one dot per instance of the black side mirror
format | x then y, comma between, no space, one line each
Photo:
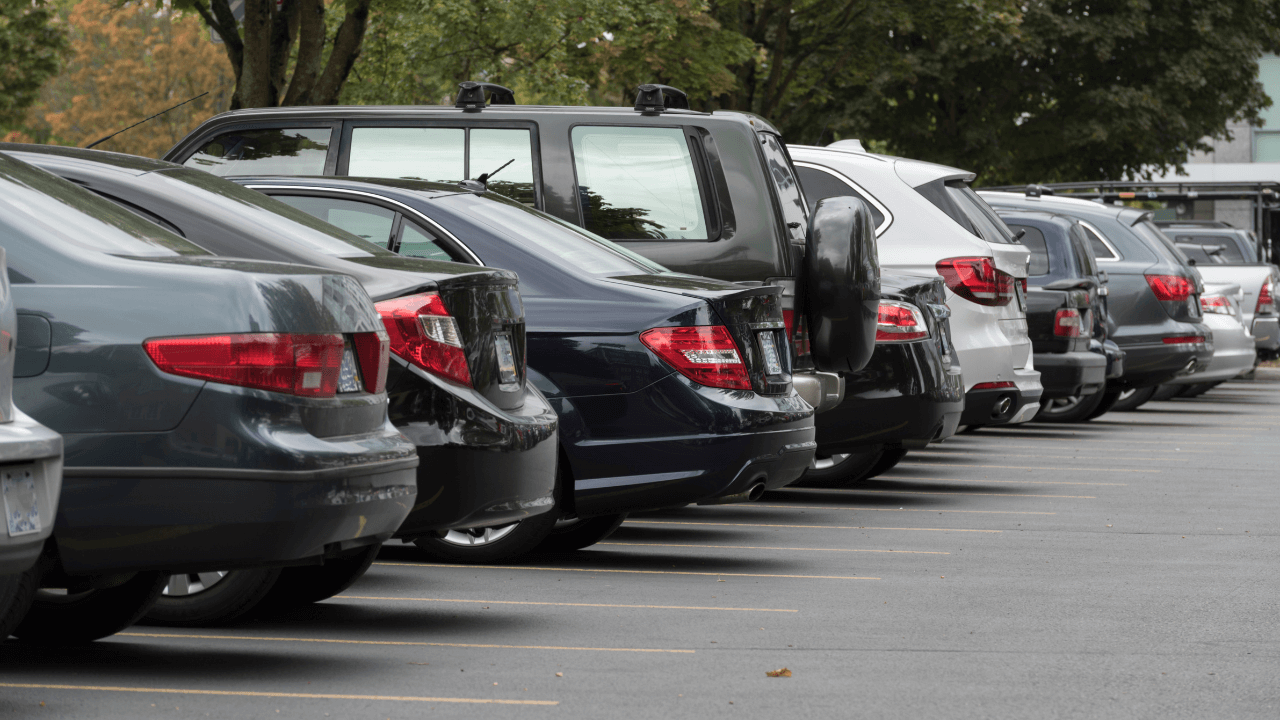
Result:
842,284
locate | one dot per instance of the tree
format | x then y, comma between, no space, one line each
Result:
31,45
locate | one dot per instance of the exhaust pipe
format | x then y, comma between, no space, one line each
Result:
752,493
1003,405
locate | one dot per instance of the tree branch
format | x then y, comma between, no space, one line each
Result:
346,48
311,39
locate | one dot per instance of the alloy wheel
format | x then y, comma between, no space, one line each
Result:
184,584
826,463
470,537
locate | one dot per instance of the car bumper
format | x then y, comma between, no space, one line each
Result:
1234,353
27,445
677,442
1002,406
1266,333
1071,374
1149,364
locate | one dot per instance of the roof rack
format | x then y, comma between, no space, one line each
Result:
1038,190
471,95
658,98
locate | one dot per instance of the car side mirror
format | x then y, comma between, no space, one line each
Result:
842,284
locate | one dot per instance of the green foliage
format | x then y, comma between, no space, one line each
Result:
31,47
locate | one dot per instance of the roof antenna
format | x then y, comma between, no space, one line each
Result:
175,107
484,177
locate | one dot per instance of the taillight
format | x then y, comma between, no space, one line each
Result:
1001,385
1067,323
976,279
422,331
1171,288
374,351
306,365
1184,340
1216,304
705,354
799,334
899,322
1266,304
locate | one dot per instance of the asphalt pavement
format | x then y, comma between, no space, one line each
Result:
1123,568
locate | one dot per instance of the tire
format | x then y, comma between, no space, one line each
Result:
301,586
1109,400
1129,401
210,599
841,469
489,545
1191,391
16,594
887,462
1070,410
1168,392
576,534
76,618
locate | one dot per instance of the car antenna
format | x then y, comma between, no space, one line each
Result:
484,178
175,107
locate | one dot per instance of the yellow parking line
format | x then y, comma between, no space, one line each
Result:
924,510
1032,467
250,693
187,636
810,527
564,604
924,492
636,572
757,547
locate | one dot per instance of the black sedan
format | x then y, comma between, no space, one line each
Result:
216,413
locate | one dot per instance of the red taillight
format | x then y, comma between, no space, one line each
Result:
1171,288
374,351
1184,340
798,332
306,365
976,279
900,322
1067,323
1266,304
1216,305
422,331
993,385
705,354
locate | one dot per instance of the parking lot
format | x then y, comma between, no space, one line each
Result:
1121,568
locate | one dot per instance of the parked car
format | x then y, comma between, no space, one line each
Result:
217,413
1067,315
30,479
1153,296
929,221
1234,350
458,385
1228,255
671,389
709,194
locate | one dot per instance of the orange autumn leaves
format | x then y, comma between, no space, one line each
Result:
124,64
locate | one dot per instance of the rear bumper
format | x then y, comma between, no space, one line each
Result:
1071,374
1234,352
27,445
1266,333
999,406
1149,364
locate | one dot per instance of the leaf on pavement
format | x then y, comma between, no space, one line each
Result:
780,672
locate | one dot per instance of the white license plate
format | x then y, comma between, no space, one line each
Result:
772,363
1022,298
21,504
508,378
349,374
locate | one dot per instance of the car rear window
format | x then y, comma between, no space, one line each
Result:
795,212
638,183
269,151
1035,242
1224,248
820,184
971,212
1146,230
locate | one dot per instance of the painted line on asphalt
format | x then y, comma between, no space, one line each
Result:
758,547
923,510
908,478
332,641
566,604
938,455
634,572
1035,467
252,693
973,494
808,527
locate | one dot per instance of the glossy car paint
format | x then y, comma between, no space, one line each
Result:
1234,351
1142,322
166,472
488,454
636,434
991,342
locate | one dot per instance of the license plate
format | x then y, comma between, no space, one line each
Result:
1022,298
508,379
349,373
21,505
772,363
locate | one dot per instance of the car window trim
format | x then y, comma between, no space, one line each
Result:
400,207
331,154
342,164
1091,228
888,216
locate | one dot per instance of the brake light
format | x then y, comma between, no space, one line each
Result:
1067,323
976,279
422,331
705,354
1266,304
798,332
1171,288
1216,304
1003,384
306,365
1184,340
374,351
900,322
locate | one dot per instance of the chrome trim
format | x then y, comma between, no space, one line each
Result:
1118,257
888,216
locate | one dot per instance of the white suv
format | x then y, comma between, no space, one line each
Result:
929,221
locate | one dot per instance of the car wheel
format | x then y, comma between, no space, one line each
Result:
1075,409
500,543
840,469
578,533
1168,392
16,593
887,462
209,599
1130,400
1191,391
59,617
299,586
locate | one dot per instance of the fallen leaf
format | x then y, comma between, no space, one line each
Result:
780,672
414,663
557,675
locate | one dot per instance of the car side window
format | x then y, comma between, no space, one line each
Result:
371,222
1035,242
413,241
418,153
820,184
1100,248
269,151
1084,255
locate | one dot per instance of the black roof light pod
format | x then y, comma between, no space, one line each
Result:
657,98
471,95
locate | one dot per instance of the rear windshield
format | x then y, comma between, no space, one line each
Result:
1225,249
37,199
971,212
1035,242
1158,240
